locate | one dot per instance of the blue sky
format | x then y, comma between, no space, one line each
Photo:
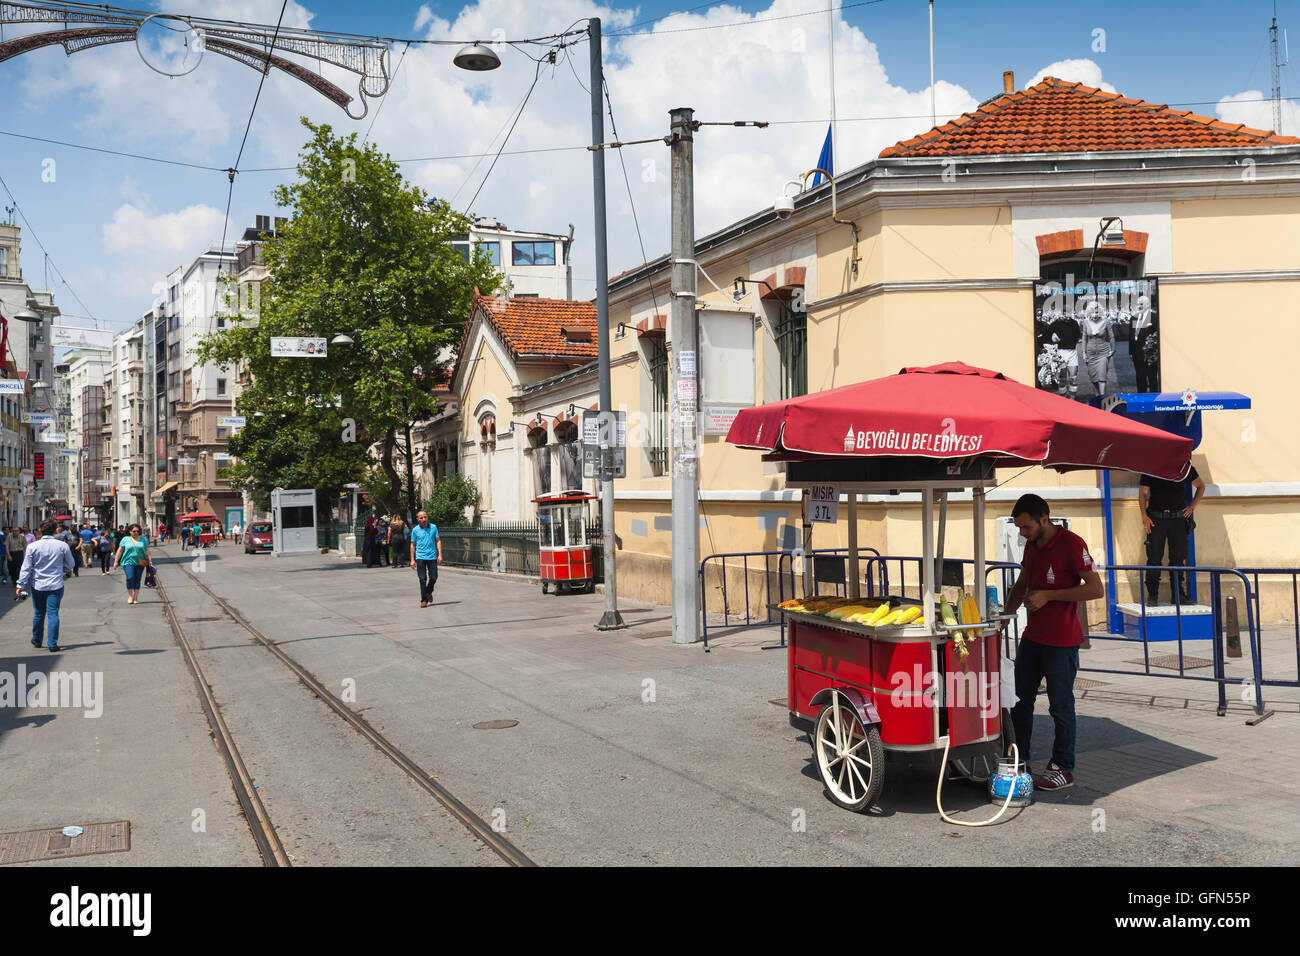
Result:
113,226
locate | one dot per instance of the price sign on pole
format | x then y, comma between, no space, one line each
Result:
824,502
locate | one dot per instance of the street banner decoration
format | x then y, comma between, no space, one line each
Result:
297,347
71,337
1097,338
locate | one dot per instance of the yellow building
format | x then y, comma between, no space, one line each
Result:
948,236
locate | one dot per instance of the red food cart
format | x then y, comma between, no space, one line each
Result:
566,559
862,691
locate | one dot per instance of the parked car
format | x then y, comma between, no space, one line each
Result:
258,537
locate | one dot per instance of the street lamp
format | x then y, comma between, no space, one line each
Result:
27,315
342,339
478,58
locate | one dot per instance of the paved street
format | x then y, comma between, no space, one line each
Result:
628,749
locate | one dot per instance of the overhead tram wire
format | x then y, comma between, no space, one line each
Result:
537,74
234,170
743,23
49,258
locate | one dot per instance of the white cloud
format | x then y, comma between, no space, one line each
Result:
141,246
1255,111
1082,71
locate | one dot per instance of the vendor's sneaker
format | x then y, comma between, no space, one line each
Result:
1054,778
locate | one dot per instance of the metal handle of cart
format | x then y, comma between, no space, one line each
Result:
995,621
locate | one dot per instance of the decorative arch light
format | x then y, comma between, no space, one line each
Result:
174,45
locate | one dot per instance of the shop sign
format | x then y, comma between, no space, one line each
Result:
297,347
231,421
38,418
11,386
824,504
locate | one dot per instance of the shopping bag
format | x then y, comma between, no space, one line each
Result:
150,577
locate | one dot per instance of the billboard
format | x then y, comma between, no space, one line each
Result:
71,337
298,347
1097,338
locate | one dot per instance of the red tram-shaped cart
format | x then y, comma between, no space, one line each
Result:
566,557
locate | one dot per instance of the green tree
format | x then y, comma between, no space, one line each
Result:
451,497
366,254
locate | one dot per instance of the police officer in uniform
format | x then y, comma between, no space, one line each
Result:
1167,517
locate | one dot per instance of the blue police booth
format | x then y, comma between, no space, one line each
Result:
1180,414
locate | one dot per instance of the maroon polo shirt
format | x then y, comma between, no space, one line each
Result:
1059,565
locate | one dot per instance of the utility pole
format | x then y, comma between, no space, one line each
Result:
611,619
683,387
1277,73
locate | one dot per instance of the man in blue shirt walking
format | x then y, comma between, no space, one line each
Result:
426,555
46,563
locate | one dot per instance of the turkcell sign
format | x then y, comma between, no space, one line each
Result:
231,421
11,386
52,436
297,347
38,418
222,456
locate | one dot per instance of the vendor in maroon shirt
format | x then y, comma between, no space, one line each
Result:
1057,573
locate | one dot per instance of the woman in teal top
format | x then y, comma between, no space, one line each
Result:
132,557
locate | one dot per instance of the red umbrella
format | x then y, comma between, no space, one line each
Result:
198,516
63,517
957,411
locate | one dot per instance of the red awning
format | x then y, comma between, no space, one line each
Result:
958,411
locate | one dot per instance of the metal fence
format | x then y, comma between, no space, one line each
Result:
746,603
508,547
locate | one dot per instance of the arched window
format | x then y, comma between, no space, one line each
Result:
537,437
569,452
487,456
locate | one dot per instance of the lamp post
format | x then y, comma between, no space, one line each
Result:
480,58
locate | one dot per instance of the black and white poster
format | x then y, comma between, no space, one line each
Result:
1097,338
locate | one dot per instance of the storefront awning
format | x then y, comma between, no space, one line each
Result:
164,489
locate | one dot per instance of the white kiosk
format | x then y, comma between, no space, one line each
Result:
293,516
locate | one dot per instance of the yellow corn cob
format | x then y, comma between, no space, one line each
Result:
840,613
907,615
879,615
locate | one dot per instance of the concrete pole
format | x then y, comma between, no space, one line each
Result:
683,392
611,619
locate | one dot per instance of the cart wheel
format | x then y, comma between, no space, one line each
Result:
543,587
976,769
850,756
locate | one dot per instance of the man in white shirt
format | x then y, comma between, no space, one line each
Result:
46,564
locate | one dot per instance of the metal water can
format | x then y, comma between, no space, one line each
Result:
1011,778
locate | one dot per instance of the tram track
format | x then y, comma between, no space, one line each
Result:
264,833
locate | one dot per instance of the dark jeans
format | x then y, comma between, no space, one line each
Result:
1035,661
45,604
104,558
15,565
401,553
427,572
1174,531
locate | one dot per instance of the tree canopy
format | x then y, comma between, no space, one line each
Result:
366,254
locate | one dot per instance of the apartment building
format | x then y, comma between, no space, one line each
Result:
532,264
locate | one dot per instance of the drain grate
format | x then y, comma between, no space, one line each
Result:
1080,683
1170,661
496,724
32,846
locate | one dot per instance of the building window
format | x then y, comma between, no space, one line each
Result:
487,456
533,253
1078,268
658,404
221,387
792,346
570,454
541,460
221,433
174,350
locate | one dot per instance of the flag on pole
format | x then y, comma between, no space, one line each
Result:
825,160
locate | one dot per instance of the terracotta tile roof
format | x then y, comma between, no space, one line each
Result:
534,326
1056,116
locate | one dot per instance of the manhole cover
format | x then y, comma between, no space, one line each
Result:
496,724
1170,661
31,846
1080,683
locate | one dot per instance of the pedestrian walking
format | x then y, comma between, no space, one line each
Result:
104,548
1056,574
46,563
64,535
398,544
87,545
185,536
15,544
427,555
132,557
162,532
237,532
368,543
